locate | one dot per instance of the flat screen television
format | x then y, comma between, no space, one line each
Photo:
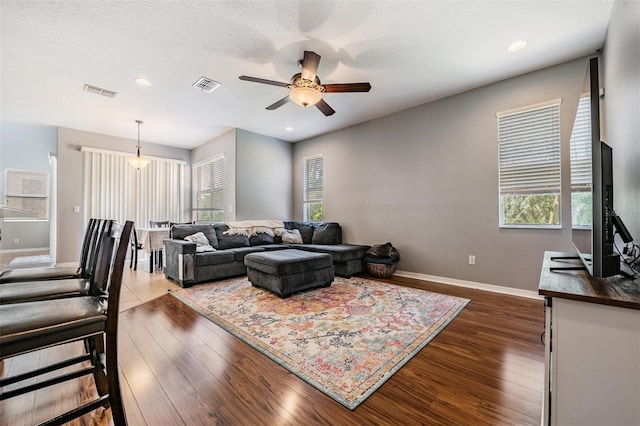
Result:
592,193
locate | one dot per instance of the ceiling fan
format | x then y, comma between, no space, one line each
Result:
305,88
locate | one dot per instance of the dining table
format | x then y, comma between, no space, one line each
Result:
152,240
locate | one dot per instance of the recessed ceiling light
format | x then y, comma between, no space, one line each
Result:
142,81
517,45
288,129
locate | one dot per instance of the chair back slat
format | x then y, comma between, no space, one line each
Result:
94,247
158,224
115,281
86,243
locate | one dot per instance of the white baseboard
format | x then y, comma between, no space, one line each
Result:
24,250
470,284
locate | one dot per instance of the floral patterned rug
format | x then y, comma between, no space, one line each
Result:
346,340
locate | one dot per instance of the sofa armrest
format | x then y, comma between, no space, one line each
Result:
180,261
179,246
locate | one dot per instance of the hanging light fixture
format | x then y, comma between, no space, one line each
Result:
138,162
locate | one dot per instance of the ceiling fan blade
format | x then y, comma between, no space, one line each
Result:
325,108
263,81
278,104
310,64
347,87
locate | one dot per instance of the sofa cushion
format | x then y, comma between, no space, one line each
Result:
339,252
327,233
227,241
260,239
291,236
306,230
214,258
180,231
240,252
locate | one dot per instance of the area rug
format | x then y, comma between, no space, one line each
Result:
32,261
346,340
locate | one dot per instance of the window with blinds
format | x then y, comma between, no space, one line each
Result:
208,182
529,166
580,148
313,188
27,191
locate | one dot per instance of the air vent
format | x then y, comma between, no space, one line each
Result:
100,91
206,84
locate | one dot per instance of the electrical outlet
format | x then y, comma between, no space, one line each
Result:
472,260
16,241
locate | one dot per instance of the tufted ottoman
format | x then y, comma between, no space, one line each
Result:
285,272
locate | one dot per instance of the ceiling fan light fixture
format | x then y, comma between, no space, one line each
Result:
305,96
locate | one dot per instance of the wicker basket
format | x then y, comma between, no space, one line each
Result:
382,270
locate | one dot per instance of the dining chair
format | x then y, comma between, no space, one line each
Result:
56,272
135,247
158,255
29,291
93,319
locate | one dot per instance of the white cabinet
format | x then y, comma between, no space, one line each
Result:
592,343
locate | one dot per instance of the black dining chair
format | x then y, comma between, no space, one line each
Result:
93,319
28,291
136,246
56,272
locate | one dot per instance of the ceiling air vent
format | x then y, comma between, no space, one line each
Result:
100,91
206,84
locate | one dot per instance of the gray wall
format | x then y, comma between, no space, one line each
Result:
225,144
426,179
622,109
70,224
25,147
263,177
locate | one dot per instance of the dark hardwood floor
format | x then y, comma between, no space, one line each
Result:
485,367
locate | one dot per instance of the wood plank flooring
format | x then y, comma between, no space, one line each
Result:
485,367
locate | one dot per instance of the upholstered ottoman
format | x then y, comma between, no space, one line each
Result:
285,272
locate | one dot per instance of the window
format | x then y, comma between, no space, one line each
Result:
208,181
313,188
529,166
580,147
29,191
115,190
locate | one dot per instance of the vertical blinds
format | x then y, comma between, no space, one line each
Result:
313,178
580,147
113,189
529,151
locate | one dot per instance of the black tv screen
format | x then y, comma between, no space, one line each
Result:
592,184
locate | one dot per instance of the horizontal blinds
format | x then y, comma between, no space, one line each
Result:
529,151
580,147
210,183
313,178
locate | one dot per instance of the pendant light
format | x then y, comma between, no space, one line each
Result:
138,162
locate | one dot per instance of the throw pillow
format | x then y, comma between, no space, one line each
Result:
260,239
291,236
202,243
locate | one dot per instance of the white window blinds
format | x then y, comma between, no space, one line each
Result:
580,147
529,151
209,195
115,190
313,188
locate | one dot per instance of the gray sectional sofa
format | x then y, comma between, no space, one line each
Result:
187,266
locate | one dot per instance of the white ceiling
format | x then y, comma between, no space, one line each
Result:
411,52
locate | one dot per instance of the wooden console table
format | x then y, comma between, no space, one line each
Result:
592,346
